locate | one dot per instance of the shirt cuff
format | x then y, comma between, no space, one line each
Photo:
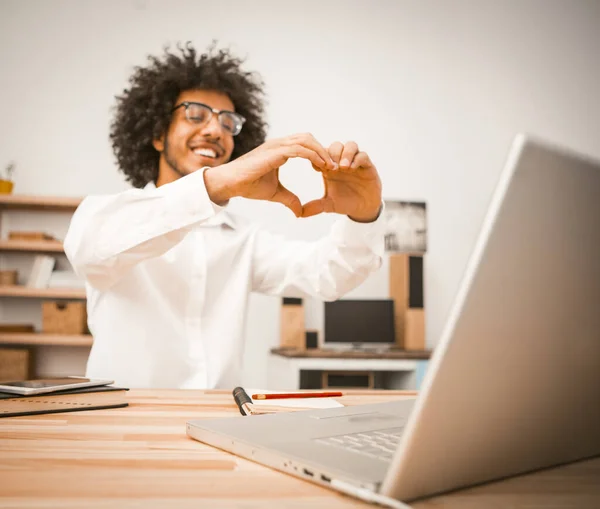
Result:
353,233
189,195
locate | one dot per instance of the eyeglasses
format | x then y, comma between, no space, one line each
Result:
199,113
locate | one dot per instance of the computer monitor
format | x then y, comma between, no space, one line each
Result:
359,324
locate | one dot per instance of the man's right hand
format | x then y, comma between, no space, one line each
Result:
255,175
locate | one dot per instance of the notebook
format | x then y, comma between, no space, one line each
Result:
88,398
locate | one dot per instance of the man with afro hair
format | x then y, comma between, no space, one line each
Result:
168,268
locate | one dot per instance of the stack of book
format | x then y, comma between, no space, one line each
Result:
41,271
43,275
88,398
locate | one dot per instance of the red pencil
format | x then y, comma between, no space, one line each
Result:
287,395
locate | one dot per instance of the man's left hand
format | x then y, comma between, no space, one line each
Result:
353,188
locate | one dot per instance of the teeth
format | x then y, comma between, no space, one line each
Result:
207,152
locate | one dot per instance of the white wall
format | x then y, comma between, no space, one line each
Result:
434,91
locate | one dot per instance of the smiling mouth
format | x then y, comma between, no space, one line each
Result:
205,152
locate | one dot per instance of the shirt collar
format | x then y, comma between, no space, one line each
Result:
221,217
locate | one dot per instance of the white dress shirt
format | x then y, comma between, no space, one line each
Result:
168,276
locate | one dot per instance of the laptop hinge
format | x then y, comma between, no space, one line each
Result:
367,495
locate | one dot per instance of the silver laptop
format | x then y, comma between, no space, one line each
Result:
514,382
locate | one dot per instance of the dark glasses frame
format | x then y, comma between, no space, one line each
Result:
238,119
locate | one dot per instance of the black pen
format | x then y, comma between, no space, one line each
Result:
243,401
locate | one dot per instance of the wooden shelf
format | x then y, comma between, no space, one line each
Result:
40,338
39,246
352,354
42,293
44,204
33,202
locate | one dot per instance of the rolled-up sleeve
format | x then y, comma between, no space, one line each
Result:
326,269
109,234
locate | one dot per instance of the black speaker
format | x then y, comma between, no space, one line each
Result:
312,339
415,277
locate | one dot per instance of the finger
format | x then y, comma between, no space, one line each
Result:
314,207
361,160
298,150
350,150
286,197
335,151
324,170
307,140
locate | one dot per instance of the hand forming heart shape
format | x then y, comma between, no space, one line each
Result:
352,184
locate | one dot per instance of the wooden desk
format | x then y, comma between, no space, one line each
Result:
140,456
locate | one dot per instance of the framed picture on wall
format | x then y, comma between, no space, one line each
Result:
405,226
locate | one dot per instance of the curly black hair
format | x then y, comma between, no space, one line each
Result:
143,111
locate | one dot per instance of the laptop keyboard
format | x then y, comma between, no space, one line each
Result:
380,444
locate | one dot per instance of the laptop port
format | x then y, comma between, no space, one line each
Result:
325,478
308,472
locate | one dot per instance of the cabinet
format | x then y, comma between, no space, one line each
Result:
314,369
22,304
